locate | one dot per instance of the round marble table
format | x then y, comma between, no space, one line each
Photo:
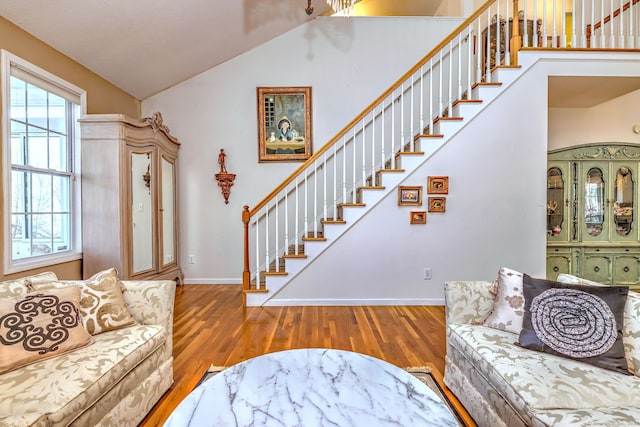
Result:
312,387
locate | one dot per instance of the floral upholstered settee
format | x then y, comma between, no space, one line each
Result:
116,372
501,383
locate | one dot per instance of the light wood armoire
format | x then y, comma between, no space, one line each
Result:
129,197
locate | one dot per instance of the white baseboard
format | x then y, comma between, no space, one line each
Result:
210,281
354,302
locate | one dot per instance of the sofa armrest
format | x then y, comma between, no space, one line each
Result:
151,302
468,301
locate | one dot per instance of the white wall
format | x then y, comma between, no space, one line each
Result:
611,121
348,62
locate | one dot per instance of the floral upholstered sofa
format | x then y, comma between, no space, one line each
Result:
501,383
104,357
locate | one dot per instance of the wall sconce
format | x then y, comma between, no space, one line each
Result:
224,178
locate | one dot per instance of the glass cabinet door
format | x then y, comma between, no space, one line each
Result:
593,209
623,201
555,201
141,212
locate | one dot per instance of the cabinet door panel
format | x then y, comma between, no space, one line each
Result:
558,202
167,210
141,212
557,264
597,267
626,270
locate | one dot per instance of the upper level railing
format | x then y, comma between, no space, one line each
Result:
491,37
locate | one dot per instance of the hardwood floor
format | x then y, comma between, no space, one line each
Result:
211,327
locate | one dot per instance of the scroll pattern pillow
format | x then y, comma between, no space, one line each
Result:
40,325
101,303
579,322
508,307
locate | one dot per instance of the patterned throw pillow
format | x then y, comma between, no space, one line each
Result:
13,288
101,303
579,322
508,308
40,325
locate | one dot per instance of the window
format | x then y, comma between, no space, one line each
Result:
40,155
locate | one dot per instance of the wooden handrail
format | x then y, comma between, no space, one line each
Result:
371,106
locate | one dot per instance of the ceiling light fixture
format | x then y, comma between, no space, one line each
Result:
345,6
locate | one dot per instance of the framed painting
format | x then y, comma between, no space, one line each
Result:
409,196
437,204
438,185
284,124
418,217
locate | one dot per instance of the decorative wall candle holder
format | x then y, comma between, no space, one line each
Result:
224,178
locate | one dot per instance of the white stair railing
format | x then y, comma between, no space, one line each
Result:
317,191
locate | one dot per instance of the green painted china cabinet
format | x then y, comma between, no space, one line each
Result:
592,224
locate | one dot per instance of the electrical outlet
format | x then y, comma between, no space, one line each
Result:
427,274
192,259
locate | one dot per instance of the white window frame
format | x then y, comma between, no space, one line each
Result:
57,85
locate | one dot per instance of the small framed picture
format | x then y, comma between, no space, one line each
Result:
437,204
418,217
409,196
438,185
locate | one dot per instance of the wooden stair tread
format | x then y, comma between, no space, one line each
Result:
253,290
352,204
389,170
429,135
468,101
314,239
448,119
333,221
275,273
409,153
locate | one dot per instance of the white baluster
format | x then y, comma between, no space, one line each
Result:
324,187
354,167
393,124
286,221
373,144
525,36
431,97
315,198
383,160
478,51
459,95
344,168
535,24
440,103
421,130
402,140
266,238
450,81
276,236
563,23
412,130
306,204
364,157
487,65
335,180
257,253
297,216
603,42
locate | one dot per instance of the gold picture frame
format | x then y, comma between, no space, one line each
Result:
409,196
437,204
284,124
418,217
438,185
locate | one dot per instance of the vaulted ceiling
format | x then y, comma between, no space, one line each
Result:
146,46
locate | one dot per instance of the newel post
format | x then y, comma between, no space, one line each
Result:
246,274
516,40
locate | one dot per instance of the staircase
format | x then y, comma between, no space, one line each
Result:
400,131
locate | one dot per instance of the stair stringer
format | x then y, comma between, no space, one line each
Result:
391,180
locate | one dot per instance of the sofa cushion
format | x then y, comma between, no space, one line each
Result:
614,416
576,321
60,387
40,325
101,303
508,307
36,279
533,381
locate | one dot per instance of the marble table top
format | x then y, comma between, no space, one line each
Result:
312,387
